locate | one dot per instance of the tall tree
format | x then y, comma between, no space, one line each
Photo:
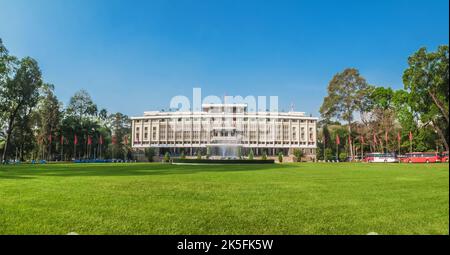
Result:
121,128
7,64
49,118
19,93
81,105
427,79
347,93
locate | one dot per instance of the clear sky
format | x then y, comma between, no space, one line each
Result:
133,56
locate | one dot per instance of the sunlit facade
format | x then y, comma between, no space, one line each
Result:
224,125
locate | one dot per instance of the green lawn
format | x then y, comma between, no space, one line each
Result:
304,198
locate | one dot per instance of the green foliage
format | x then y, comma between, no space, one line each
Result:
427,79
199,154
264,155
250,155
167,157
298,153
182,156
280,157
208,152
149,154
19,94
81,104
328,154
347,93
343,156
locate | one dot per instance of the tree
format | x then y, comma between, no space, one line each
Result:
298,153
264,155
103,115
81,105
427,79
150,153
120,128
250,155
343,156
20,94
167,157
208,152
328,154
347,93
48,122
280,157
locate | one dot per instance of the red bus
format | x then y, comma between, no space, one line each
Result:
422,157
444,157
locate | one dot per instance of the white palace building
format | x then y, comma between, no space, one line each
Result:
223,128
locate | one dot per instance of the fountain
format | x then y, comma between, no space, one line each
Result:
223,154
225,147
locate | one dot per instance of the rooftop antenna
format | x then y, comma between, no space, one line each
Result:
292,106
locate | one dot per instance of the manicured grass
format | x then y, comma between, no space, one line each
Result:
304,198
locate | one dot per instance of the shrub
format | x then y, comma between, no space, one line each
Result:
167,157
328,154
149,154
280,157
208,152
199,154
298,154
264,156
250,155
182,156
342,156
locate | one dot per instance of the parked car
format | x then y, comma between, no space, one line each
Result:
378,157
422,157
444,156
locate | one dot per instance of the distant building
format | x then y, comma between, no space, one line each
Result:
222,126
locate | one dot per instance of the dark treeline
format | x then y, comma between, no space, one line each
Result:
35,125
414,118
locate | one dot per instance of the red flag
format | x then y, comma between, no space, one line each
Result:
399,138
50,138
62,139
89,141
374,139
75,139
410,136
126,140
101,140
338,141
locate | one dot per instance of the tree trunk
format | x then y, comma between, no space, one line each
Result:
439,105
442,136
349,134
8,136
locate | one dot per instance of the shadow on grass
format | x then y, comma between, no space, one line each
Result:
81,170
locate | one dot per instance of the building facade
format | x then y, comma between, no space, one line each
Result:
221,127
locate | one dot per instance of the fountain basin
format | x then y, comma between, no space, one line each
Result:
222,161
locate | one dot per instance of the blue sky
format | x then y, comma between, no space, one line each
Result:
133,56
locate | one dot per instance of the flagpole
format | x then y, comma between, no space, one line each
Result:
362,148
75,142
62,147
410,141
324,141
